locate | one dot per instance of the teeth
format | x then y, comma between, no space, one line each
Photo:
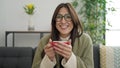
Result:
64,26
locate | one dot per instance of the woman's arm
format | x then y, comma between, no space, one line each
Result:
86,58
43,61
37,57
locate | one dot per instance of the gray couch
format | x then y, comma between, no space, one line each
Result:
22,57
17,57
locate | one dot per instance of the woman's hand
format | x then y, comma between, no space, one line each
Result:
63,49
49,51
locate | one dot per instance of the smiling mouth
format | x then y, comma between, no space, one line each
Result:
64,26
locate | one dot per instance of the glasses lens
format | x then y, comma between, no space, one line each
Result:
67,17
59,17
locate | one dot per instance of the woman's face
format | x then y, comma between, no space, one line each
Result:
64,23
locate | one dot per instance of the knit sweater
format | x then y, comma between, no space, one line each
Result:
82,49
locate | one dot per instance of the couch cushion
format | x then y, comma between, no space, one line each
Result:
17,57
109,57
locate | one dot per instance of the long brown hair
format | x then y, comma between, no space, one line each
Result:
77,26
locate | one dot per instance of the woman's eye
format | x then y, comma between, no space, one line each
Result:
59,16
68,16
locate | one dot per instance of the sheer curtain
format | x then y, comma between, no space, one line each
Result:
113,34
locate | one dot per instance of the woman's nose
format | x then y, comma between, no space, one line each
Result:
63,20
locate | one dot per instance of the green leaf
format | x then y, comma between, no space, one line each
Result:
75,4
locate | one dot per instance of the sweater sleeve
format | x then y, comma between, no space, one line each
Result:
37,57
71,63
86,59
47,63
39,53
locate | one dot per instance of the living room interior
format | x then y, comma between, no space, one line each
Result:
16,30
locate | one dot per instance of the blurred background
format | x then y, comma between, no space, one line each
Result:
14,18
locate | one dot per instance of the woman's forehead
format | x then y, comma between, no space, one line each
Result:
63,10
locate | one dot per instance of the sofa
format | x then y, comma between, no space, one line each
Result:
22,57
16,57
106,56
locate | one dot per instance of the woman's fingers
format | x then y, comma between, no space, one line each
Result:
49,51
63,49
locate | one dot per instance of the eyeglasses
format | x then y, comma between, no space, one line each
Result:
67,17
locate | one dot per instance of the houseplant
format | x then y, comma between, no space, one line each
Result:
93,14
93,18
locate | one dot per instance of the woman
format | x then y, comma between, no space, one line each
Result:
65,27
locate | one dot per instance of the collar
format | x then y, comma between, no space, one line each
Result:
65,39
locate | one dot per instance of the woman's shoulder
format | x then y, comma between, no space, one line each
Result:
85,35
46,37
44,40
85,38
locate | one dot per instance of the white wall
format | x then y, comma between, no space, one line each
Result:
13,17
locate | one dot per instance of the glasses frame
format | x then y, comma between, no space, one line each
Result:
58,19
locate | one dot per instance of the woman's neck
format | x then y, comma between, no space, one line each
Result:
66,38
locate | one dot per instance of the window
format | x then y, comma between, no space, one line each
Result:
113,34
